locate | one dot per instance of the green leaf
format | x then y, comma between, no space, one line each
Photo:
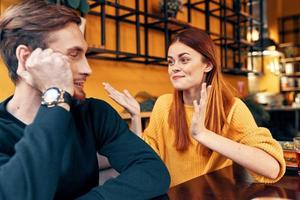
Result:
52,1
84,6
74,3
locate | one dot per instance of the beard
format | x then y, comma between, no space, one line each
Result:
79,94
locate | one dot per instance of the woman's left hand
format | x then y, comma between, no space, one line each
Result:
248,156
198,119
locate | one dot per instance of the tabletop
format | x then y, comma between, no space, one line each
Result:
234,182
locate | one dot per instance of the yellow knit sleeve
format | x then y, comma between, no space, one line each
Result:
157,120
250,134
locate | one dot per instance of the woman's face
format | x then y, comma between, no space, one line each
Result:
186,67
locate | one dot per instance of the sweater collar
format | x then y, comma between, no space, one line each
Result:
7,117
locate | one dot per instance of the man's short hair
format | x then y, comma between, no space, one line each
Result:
29,23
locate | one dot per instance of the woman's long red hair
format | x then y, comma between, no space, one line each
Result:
220,100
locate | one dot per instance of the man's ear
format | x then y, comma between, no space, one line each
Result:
208,67
22,54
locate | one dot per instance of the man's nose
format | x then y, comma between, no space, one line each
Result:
85,67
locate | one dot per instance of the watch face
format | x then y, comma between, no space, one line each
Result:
51,95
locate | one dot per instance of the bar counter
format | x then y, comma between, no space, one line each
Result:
234,183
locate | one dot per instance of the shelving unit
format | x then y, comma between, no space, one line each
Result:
289,31
290,76
290,82
291,60
101,52
143,21
235,19
239,17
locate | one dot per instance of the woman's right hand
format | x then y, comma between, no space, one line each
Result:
125,99
130,104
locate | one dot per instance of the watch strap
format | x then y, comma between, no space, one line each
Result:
64,97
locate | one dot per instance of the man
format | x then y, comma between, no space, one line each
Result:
48,142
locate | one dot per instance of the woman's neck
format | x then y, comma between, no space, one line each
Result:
191,94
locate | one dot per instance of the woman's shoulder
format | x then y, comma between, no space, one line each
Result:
164,100
163,103
165,97
237,103
238,110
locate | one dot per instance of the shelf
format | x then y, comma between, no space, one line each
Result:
289,60
141,20
242,17
281,108
289,38
291,89
296,74
171,24
289,35
231,43
289,27
234,46
291,51
240,72
288,44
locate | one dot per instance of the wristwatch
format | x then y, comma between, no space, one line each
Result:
53,96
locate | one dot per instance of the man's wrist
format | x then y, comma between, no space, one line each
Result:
54,96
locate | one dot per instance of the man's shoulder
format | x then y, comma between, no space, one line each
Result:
5,117
9,132
93,105
8,139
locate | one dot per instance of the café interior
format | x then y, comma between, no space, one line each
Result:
258,42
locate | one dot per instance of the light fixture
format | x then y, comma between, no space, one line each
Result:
252,35
270,58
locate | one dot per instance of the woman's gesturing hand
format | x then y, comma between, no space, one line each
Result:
124,99
198,119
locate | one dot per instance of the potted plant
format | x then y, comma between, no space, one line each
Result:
80,5
172,6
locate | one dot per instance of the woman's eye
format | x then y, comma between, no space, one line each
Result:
184,60
170,62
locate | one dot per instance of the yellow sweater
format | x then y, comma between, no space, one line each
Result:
190,164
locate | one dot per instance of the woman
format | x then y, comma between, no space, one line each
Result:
200,129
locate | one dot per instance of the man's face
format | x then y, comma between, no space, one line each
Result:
70,42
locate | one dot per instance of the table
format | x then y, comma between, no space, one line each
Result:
144,118
233,183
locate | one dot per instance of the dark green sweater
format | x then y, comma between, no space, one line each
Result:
55,156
